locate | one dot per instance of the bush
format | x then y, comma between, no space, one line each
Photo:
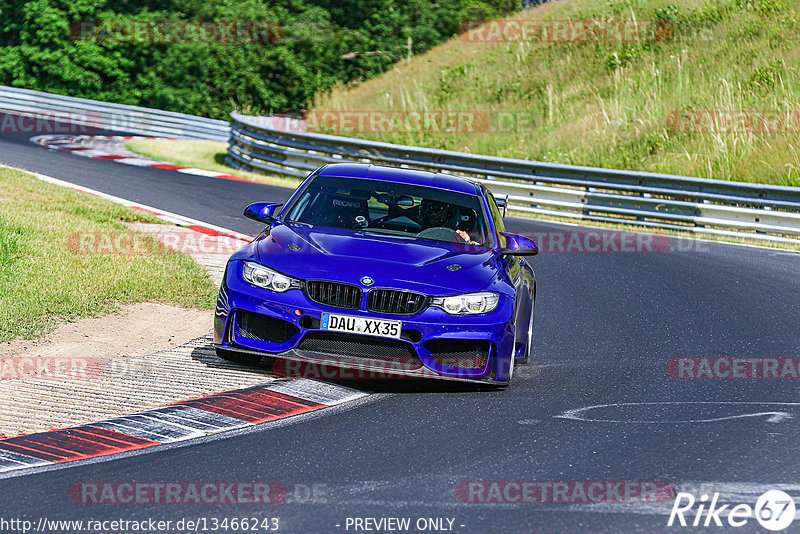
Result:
318,43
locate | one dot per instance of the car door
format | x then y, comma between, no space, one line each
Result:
517,271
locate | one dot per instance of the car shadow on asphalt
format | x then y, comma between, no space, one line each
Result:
207,357
267,366
376,382
275,368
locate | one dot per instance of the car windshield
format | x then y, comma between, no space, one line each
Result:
380,207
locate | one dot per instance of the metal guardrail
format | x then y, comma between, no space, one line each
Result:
95,115
736,209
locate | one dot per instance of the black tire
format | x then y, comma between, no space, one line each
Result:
238,357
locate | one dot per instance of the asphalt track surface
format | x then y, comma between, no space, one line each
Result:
606,325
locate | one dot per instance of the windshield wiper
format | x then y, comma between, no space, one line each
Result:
382,231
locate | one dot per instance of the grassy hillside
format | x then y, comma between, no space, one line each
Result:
613,104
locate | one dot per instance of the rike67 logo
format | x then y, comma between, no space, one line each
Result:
774,510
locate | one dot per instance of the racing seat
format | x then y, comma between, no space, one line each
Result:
341,211
466,220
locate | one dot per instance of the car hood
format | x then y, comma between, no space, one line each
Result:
430,267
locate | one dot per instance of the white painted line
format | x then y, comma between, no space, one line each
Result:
161,214
67,146
196,418
12,460
161,417
91,153
149,428
139,162
200,172
314,391
579,414
131,431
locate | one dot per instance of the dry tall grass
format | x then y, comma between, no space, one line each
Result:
609,104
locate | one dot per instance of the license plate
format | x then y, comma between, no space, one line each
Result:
361,325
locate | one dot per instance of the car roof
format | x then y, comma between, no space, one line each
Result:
383,173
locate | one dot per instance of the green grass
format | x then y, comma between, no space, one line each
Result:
209,155
609,104
43,283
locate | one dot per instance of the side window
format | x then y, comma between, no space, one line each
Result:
497,217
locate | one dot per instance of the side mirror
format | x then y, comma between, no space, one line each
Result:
502,203
262,211
519,245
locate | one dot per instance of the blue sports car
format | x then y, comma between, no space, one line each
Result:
399,272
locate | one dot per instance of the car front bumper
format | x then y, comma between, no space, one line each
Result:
434,344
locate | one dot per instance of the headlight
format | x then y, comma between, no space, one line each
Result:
468,304
260,276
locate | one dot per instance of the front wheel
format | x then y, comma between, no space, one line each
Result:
238,357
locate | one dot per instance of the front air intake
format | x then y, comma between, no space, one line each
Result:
461,353
368,348
263,327
334,294
395,302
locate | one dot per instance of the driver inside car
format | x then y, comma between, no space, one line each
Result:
435,214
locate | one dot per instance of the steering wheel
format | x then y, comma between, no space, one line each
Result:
441,233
